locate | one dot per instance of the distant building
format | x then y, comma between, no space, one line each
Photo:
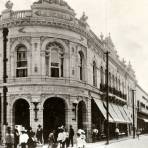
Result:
142,109
56,72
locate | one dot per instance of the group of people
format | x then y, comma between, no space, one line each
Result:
24,138
61,137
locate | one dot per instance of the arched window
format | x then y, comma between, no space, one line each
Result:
21,64
94,74
54,60
101,75
81,65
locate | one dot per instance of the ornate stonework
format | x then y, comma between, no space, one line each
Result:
20,39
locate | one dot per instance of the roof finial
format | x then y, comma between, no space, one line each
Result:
9,5
84,17
101,36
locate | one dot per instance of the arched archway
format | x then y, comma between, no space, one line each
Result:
81,115
53,115
21,113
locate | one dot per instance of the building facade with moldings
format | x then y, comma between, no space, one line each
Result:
56,72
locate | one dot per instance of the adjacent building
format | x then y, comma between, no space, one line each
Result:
56,72
142,109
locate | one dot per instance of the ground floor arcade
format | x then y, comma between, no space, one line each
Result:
53,110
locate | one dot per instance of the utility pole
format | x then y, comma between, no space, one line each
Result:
134,128
5,34
107,99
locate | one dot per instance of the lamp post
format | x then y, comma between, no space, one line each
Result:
107,99
75,102
133,99
35,103
5,34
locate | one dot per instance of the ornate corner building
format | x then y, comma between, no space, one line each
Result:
56,72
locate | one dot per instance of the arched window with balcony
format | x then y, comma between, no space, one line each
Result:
54,59
94,74
21,63
81,65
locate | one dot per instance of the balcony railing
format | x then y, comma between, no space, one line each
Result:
21,14
113,91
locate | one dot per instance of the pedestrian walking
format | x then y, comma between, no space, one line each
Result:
31,141
16,137
61,139
23,139
51,140
30,132
95,134
138,132
83,137
117,133
79,141
39,134
71,134
9,138
67,138
82,140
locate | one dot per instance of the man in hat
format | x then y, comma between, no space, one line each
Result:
71,134
39,134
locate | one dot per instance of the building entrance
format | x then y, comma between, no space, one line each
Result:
53,115
21,113
81,115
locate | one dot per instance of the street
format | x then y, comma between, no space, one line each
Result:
130,143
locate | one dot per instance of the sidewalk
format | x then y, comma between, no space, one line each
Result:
103,143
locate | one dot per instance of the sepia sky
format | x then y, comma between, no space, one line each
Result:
126,20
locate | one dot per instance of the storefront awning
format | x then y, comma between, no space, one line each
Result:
144,119
102,109
124,114
128,114
118,113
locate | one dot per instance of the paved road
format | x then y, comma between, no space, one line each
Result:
130,143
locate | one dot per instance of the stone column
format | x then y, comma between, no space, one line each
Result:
43,65
36,56
72,119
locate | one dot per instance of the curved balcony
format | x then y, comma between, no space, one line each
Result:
21,14
113,91
50,81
